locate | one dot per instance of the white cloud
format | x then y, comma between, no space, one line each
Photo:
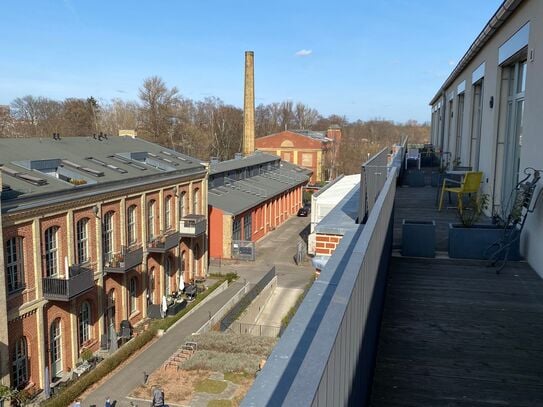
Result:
452,63
304,53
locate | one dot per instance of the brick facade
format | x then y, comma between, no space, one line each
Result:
326,244
31,316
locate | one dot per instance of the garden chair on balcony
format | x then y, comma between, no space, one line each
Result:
412,154
469,185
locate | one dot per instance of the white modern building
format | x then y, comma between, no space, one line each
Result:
489,112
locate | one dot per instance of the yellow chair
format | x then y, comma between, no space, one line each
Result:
469,185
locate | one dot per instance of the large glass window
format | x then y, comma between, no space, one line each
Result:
151,220
51,251
55,348
459,126
167,213
182,204
131,224
84,323
476,124
20,363
247,226
14,264
236,229
133,289
516,76
108,234
196,202
82,238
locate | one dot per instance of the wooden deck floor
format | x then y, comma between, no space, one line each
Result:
453,332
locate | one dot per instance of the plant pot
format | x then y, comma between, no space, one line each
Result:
415,178
418,238
473,242
437,179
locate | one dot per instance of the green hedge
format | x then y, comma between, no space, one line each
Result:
70,393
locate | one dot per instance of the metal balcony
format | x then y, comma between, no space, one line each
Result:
192,225
79,281
127,259
164,243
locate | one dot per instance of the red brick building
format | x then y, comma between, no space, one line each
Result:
248,197
94,232
314,150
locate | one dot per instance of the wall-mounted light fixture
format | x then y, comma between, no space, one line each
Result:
95,209
491,102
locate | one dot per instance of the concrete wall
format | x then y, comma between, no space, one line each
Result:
253,311
493,131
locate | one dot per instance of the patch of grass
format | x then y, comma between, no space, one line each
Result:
290,314
222,362
219,403
237,377
74,390
228,276
234,343
210,386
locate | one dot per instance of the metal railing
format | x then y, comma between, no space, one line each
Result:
80,280
326,355
126,259
167,241
192,225
244,328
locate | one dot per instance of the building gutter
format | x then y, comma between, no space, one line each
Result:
498,19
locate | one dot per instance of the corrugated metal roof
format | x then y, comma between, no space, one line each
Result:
258,157
236,197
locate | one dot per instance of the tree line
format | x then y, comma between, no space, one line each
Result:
200,128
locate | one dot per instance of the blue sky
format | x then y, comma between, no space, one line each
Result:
362,59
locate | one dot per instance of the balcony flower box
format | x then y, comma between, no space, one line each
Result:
473,242
418,238
415,178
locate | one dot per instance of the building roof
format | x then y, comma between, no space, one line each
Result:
334,191
43,170
315,135
257,158
238,196
343,216
498,19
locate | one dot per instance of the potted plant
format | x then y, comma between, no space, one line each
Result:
471,240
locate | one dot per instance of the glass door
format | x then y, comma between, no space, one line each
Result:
514,128
476,125
56,349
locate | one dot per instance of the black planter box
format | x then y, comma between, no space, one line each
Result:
437,179
418,238
473,242
415,178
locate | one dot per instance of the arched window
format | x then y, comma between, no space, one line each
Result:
182,204
82,240
167,275
196,202
196,266
84,323
131,224
51,251
108,234
151,286
133,288
20,363
14,264
167,213
55,348
182,269
151,220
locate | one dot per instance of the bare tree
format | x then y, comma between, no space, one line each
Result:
304,116
158,105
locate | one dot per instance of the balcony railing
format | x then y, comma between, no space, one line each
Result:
192,225
126,259
333,334
163,243
80,279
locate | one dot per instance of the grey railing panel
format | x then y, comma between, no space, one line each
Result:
133,258
315,362
65,289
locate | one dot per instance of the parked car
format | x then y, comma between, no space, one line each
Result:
304,210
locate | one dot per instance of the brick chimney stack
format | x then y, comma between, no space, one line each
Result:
249,105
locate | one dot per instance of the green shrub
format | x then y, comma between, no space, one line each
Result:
86,354
234,343
222,362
